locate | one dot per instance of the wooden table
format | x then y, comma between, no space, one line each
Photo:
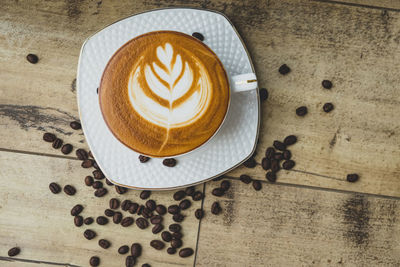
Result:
310,217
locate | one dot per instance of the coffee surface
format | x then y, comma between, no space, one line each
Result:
164,93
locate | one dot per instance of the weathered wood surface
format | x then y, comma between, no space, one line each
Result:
386,4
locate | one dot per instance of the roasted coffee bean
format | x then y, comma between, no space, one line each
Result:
145,194
225,185
69,190
257,185
328,107
88,220
275,166
89,180
157,228
218,192
301,111
245,178
174,227
143,159
278,156
32,58
287,154
97,185
133,207
109,183
177,235
81,154
263,94
327,84
104,243
121,190
146,265
101,220
166,236
176,243
123,249
199,214
171,162
185,204
157,244
219,178
75,125
271,177
279,145
66,149
186,252
57,143
117,218
95,165
284,69
288,164
140,210
114,203
142,223
76,210
90,154
179,195
130,261
136,250
147,213
156,219
109,212
171,251
100,192
89,234
78,221
49,137
353,177
266,164
98,175
127,221
161,209
54,188
94,261
173,209
270,152
190,191
197,196
151,205
125,204
178,217
215,208
250,163
87,163
290,140
14,251
198,36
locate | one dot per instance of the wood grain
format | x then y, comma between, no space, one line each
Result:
386,4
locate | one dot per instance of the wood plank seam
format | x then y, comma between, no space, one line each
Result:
198,230
37,154
357,5
9,259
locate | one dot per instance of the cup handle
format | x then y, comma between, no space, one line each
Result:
244,82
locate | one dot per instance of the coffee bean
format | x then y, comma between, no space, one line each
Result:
101,220
269,153
156,219
57,143
142,223
49,137
145,194
284,69
327,84
94,261
109,183
90,154
328,107
175,227
263,94
140,210
219,178
32,58
166,236
271,177
100,192
87,163
151,205
109,212
199,213
178,217
185,204
98,175
76,210
130,261
121,190
225,185
89,180
266,164
81,154
179,195
88,220
66,149
54,188
136,250
133,207
353,177
287,154
14,251
146,265
279,145
173,209
157,244
117,218
290,140
104,243
96,166
97,185
157,228
89,234
288,164
143,159
250,163
197,196
171,162
147,213
160,209
114,203
177,235
176,243
186,252
218,192
245,178
127,221
278,156
125,204
123,249
301,111
78,221
75,125
198,36
257,185
190,190
69,190
275,166
215,208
